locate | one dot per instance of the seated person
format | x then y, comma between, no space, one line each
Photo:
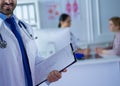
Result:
114,25
64,22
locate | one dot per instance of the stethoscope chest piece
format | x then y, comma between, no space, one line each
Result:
3,44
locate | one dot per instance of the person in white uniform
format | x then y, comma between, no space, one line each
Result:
65,22
18,53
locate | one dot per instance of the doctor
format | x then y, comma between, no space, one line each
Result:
18,53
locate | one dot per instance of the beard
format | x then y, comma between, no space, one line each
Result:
7,9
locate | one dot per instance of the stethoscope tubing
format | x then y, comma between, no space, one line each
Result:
3,43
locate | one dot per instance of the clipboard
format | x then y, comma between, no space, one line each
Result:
66,66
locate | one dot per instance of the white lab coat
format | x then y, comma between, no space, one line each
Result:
11,66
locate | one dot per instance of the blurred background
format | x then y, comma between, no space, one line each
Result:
90,27
89,20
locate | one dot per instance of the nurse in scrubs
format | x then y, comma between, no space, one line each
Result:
64,22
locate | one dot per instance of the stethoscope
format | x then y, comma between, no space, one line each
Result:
22,25
3,43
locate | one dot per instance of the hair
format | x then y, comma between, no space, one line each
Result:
63,17
116,21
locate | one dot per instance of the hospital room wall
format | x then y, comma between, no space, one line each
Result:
91,24
79,27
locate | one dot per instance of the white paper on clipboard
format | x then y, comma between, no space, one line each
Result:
59,61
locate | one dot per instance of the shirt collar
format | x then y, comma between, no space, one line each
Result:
4,17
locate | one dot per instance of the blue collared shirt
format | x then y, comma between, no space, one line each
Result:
4,17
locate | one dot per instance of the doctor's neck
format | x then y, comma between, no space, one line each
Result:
8,15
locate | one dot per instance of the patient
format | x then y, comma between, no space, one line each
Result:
64,22
114,25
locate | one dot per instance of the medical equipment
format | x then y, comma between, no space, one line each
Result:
3,43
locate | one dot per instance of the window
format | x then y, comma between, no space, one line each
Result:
27,11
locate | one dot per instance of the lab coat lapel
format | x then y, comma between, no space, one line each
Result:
30,48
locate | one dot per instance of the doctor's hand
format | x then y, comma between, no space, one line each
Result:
55,76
